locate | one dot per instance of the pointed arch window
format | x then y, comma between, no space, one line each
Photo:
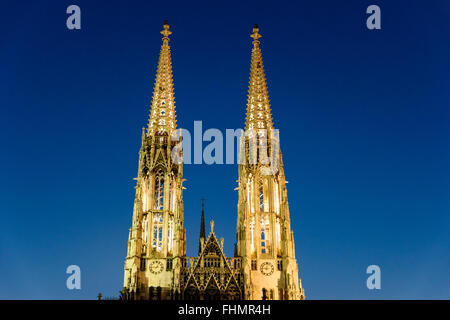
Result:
261,196
265,234
157,232
159,190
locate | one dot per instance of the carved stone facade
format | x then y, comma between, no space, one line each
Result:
265,241
212,276
264,266
157,239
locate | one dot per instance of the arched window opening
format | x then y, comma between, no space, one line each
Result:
265,234
142,264
159,190
157,231
261,197
264,294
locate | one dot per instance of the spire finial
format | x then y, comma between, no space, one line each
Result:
166,32
255,35
212,226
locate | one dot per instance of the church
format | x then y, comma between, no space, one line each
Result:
264,266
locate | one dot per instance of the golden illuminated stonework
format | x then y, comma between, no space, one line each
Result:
157,239
264,266
265,241
162,118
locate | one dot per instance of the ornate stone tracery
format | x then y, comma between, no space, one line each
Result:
264,264
212,276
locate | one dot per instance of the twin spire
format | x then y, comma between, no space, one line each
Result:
259,115
202,228
162,119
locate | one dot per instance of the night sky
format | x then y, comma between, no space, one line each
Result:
363,118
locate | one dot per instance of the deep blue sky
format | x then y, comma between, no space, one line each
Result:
363,117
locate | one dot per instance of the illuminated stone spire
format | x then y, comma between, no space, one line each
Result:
259,115
157,239
264,240
162,116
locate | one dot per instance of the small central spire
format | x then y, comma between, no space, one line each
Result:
202,227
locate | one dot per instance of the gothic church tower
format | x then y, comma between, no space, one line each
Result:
265,241
157,239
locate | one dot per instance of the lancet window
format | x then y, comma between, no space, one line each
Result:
159,190
157,231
